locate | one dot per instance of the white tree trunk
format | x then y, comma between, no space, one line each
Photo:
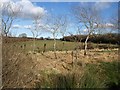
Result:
54,46
85,51
33,44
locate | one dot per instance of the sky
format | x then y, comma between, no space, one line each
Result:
23,21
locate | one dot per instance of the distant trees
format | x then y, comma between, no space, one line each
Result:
23,35
102,38
9,14
88,16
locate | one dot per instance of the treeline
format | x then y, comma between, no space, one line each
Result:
15,39
22,39
102,38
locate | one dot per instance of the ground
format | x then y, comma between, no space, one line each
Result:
26,68
23,67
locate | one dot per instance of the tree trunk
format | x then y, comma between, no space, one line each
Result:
80,47
85,51
33,44
72,59
44,48
55,48
63,43
6,34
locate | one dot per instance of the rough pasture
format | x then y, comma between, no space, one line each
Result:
24,68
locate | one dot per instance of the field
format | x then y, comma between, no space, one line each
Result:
23,68
59,44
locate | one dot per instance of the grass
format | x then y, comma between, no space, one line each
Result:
49,45
60,45
111,71
104,75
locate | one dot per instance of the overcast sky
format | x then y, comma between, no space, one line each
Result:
31,9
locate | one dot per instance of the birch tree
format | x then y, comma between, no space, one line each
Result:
10,12
53,26
64,27
35,29
88,16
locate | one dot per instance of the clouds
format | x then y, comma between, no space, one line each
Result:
28,9
99,6
16,26
27,26
102,5
109,25
9,7
106,25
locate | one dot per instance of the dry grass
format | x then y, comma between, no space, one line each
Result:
23,68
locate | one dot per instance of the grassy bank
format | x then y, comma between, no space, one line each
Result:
104,75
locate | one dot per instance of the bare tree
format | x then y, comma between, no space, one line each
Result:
9,14
64,26
53,26
36,26
89,17
78,40
35,29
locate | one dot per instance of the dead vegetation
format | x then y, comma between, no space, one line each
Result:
25,69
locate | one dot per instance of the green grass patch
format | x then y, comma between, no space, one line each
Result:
60,45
